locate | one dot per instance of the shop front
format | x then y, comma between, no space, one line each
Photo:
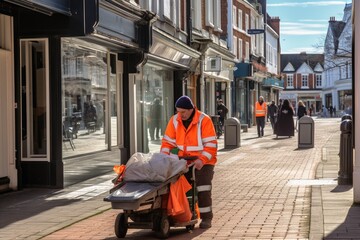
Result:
71,75
240,91
345,101
164,77
218,76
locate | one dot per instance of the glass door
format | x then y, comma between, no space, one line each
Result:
34,77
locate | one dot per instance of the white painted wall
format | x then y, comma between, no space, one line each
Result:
356,174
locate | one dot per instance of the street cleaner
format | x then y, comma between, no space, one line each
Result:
192,133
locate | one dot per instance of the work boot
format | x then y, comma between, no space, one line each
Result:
205,223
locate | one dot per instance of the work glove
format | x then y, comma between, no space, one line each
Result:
198,164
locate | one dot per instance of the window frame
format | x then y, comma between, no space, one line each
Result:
27,143
240,24
304,79
289,78
240,49
318,79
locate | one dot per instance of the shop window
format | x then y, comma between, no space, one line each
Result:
155,106
89,84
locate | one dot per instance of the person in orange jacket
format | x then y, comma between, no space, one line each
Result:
260,115
192,133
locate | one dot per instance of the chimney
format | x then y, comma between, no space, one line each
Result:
275,24
332,19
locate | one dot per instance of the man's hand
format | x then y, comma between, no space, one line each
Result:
198,164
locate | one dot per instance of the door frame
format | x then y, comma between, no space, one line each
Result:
7,106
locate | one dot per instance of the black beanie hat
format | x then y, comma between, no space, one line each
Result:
184,102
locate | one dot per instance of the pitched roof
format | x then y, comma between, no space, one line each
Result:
298,59
336,28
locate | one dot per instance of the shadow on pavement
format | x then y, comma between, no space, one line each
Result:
342,188
349,229
20,205
175,233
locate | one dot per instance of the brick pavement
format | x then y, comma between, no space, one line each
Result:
262,190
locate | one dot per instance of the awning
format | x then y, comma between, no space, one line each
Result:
273,83
172,51
243,70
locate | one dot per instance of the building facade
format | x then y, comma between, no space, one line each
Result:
273,82
165,72
215,69
303,79
248,46
337,88
67,79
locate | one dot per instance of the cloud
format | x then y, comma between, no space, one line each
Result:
296,28
313,20
304,49
302,32
302,25
306,4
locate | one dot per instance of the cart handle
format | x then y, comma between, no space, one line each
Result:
193,170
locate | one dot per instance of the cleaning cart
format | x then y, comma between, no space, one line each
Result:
144,204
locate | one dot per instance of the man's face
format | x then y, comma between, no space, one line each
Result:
184,113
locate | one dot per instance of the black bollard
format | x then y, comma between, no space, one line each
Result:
346,153
346,116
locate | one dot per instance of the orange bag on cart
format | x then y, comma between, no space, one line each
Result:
120,171
178,205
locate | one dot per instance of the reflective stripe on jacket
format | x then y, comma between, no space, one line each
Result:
198,140
260,110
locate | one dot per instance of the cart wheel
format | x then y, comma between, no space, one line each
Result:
121,225
164,227
190,227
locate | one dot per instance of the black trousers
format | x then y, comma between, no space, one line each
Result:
260,123
203,181
272,121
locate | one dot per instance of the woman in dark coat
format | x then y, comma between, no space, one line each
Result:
301,110
285,121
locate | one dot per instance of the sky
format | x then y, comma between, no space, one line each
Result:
304,23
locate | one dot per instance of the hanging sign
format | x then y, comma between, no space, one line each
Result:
255,31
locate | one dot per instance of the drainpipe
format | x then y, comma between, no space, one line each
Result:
189,22
202,83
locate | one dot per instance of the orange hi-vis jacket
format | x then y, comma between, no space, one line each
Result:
198,140
260,110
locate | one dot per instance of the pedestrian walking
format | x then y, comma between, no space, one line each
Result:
260,115
301,111
284,125
155,114
222,112
272,113
331,110
324,111
192,133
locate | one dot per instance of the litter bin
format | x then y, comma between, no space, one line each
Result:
216,121
306,132
346,153
232,133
